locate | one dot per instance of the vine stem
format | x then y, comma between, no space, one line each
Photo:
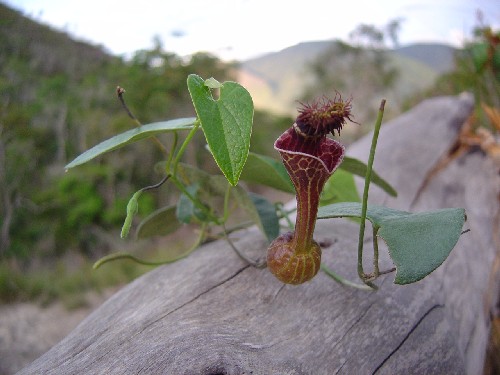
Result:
364,206
184,145
342,280
119,92
117,256
172,171
284,214
226,203
253,263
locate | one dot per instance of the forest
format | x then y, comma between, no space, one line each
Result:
58,98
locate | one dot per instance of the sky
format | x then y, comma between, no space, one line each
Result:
242,29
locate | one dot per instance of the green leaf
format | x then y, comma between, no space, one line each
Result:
187,212
261,215
418,242
421,242
132,135
226,122
268,219
159,223
340,187
212,189
358,168
479,53
210,186
267,171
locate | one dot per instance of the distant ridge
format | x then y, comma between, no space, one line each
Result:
49,50
437,56
277,80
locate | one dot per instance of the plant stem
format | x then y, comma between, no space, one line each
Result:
193,199
226,203
117,256
364,206
376,269
119,92
156,186
184,145
282,213
253,263
172,171
342,280
171,153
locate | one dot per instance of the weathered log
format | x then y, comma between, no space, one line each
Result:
212,314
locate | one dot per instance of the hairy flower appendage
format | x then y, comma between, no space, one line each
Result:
310,159
323,116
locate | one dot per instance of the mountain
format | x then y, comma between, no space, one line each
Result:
439,57
278,80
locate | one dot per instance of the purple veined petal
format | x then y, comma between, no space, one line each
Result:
328,152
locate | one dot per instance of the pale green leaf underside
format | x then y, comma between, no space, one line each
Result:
132,135
269,221
159,223
418,242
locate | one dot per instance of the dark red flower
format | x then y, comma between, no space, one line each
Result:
310,158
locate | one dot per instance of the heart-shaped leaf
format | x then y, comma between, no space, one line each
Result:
418,242
226,122
132,135
159,223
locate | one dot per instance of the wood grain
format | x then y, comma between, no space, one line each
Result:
213,314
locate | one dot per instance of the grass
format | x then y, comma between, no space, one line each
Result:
70,278
57,283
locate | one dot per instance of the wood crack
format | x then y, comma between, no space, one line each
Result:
170,312
353,325
415,326
194,298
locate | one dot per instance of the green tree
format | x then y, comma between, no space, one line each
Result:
362,67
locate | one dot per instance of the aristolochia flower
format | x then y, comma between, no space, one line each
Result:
310,159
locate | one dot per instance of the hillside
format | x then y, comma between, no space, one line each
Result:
277,80
57,99
50,51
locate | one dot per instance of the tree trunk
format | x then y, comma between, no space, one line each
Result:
212,314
